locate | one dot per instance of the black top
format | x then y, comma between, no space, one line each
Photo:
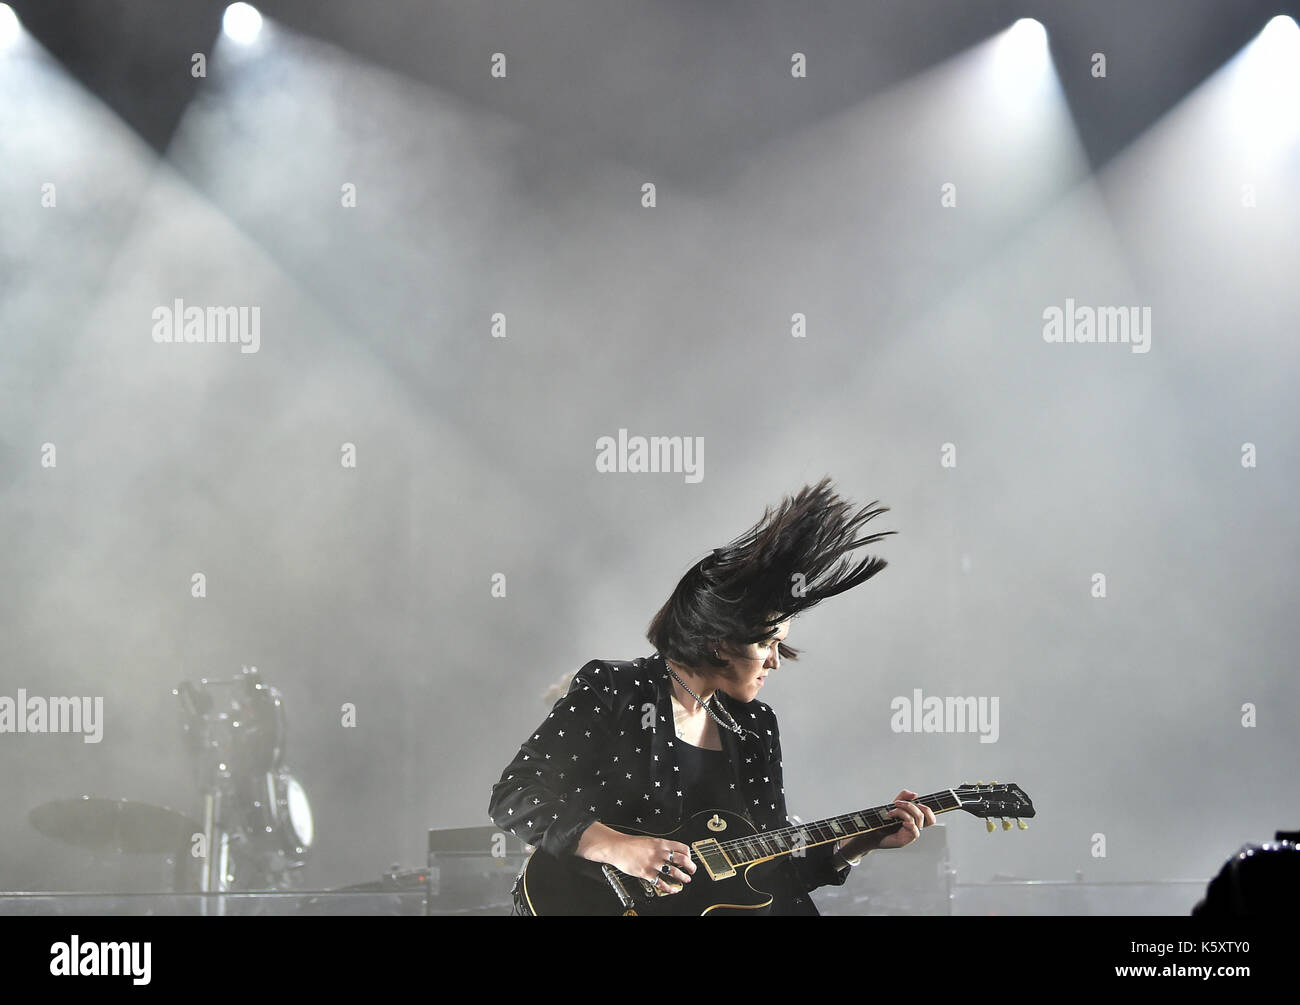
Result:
706,780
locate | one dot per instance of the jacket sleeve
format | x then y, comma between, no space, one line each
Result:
544,795
814,867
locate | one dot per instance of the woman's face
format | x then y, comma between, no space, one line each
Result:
750,665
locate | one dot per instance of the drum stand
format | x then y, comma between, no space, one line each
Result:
215,877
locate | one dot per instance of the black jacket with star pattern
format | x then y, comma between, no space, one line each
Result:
606,752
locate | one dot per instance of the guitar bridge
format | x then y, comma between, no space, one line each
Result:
615,879
612,876
714,858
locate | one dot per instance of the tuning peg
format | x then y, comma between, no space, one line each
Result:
1021,824
1006,825
989,825
979,783
995,781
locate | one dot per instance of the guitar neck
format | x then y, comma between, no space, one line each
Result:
789,840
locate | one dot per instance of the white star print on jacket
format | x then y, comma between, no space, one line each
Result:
607,752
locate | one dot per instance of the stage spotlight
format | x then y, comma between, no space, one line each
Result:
241,22
10,29
1277,49
1024,46
1283,26
1021,61
1266,112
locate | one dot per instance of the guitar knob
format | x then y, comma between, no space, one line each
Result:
1021,824
1006,825
989,824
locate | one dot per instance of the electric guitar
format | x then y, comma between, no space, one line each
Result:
731,857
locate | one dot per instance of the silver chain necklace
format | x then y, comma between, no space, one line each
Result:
730,724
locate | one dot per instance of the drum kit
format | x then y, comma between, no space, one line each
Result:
255,830
243,849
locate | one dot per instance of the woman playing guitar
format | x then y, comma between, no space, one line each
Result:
647,743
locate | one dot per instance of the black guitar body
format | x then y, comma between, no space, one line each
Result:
735,864
550,886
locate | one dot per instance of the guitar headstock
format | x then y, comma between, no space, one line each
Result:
1007,801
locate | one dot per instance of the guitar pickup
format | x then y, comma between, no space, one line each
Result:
714,858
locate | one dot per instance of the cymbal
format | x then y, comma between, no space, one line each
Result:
117,825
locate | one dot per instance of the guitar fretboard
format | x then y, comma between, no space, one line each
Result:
788,840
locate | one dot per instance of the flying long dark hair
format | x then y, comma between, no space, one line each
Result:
788,562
